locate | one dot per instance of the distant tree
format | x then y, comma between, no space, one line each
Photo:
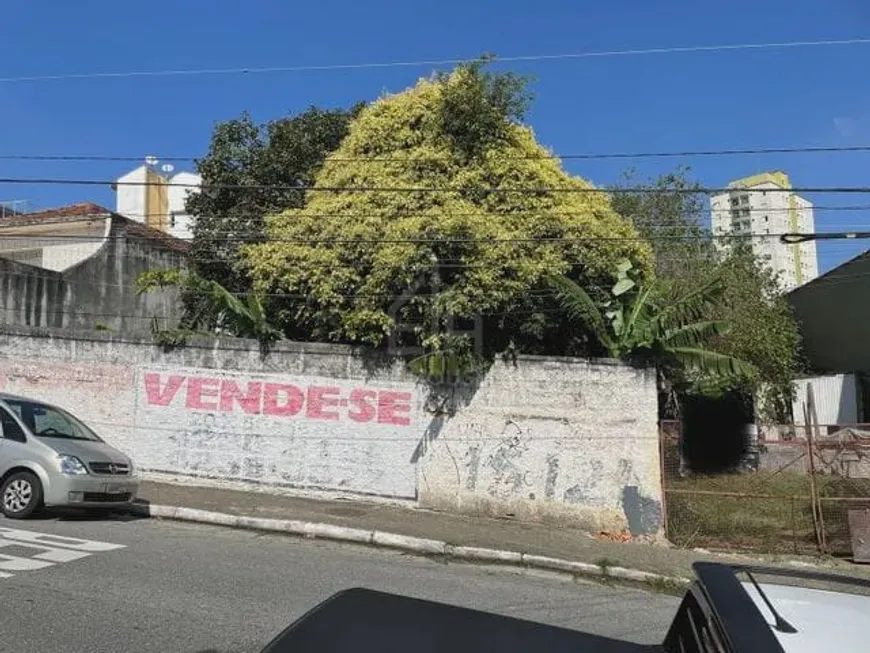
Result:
764,331
249,172
669,212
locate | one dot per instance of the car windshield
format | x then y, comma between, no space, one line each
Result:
50,422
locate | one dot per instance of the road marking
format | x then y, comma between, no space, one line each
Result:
47,539
49,550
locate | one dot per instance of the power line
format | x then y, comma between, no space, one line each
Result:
519,214
447,240
435,189
822,149
433,62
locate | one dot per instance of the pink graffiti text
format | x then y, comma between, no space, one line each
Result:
317,402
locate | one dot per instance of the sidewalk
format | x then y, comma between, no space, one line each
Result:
460,530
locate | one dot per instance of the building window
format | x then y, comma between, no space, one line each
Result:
765,218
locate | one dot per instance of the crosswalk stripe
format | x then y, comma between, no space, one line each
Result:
14,563
46,539
48,553
48,549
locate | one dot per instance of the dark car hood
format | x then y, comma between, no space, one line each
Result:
365,621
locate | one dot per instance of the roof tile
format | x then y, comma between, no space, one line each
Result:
71,213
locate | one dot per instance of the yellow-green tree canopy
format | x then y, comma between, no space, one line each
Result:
462,244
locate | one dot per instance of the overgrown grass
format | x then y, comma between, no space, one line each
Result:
765,511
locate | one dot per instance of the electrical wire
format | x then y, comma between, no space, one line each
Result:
822,149
699,212
642,190
413,241
434,62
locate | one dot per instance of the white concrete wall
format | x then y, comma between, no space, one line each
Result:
130,200
60,246
62,257
555,440
183,184
549,439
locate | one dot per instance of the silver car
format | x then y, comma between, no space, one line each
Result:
48,457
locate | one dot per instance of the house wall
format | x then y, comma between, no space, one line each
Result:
567,441
30,295
833,315
130,194
98,291
183,184
56,246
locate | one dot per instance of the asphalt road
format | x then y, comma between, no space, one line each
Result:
168,587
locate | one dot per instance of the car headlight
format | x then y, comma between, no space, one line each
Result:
71,465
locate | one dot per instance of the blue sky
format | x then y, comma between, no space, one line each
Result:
716,100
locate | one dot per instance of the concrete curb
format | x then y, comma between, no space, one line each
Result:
417,545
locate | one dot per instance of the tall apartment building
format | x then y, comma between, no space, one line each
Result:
759,208
157,200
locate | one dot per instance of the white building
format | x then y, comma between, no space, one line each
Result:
760,208
157,200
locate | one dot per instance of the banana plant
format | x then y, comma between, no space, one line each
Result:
218,311
631,324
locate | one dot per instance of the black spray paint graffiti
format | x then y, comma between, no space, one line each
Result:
552,476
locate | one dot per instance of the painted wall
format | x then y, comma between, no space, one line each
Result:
567,441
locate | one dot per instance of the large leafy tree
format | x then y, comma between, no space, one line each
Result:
433,225
252,170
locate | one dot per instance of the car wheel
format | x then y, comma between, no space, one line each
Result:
20,495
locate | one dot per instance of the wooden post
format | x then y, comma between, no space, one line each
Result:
818,518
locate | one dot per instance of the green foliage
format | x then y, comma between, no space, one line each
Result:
356,264
250,171
478,107
762,330
220,311
669,212
635,325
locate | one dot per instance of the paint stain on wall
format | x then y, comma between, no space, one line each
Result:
644,515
